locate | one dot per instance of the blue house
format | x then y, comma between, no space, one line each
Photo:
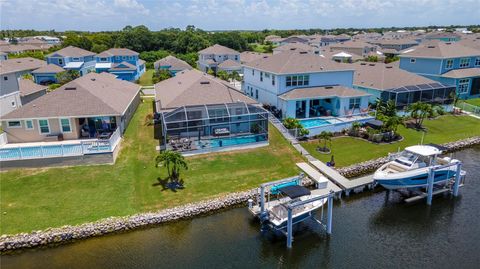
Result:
47,74
304,85
448,63
73,58
124,63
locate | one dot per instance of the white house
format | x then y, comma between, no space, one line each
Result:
212,56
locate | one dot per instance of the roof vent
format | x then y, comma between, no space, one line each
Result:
431,47
328,87
204,82
303,52
388,66
70,88
363,63
93,79
448,43
265,57
371,64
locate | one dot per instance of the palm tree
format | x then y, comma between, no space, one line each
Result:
392,123
419,111
325,136
174,162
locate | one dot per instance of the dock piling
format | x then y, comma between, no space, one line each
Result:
431,176
289,228
330,212
456,185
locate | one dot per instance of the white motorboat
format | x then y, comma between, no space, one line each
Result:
410,168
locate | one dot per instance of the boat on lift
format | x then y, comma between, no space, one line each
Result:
410,168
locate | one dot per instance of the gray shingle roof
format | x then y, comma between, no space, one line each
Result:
192,87
28,87
384,76
91,95
20,64
439,49
296,62
249,56
229,64
173,62
49,68
72,51
462,73
218,49
322,91
117,52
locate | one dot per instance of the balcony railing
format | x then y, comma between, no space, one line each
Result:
59,149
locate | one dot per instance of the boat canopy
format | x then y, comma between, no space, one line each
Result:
294,191
424,150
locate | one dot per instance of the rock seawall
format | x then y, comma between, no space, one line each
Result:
67,233
372,165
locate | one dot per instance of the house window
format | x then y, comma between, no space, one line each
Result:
76,59
267,75
253,72
236,57
298,80
463,85
256,94
14,124
28,125
273,80
449,64
261,76
464,62
354,103
477,61
13,104
5,78
124,57
103,59
65,125
44,126
60,61
413,60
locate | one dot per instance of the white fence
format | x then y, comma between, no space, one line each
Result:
61,149
335,125
469,108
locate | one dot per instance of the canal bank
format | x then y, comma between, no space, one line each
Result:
65,234
370,230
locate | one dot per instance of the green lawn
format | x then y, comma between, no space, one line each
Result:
33,199
348,150
474,101
146,78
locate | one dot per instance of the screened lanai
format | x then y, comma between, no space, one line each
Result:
203,127
436,93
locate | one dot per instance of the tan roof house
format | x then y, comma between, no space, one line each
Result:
172,64
212,56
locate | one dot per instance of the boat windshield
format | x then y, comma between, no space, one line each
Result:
406,158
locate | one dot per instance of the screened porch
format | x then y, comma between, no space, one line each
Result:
435,93
213,127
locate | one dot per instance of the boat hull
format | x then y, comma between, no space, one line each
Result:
412,179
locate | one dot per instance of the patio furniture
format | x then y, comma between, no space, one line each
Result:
104,135
221,131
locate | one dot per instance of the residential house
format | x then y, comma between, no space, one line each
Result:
123,63
30,90
87,107
171,64
303,85
230,66
295,46
446,62
11,71
200,113
248,56
212,56
47,74
389,82
394,46
356,47
3,56
73,58
442,36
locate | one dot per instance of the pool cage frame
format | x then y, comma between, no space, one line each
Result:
434,93
199,122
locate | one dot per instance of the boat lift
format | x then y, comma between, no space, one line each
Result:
452,185
263,200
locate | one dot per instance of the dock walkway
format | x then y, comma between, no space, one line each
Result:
340,180
324,185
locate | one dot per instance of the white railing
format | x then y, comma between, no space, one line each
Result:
68,148
3,139
469,108
336,124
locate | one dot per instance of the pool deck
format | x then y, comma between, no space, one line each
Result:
44,144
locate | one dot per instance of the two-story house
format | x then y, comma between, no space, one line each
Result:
448,63
442,36
303,85
212,56
11,72
73,58
356,47
123,63
172,64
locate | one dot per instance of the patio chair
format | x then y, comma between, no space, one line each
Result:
348,112
365,111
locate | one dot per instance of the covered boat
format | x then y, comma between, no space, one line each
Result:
410,168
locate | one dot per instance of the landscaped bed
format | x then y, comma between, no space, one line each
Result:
33,199
349,150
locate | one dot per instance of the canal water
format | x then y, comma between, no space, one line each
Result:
370,230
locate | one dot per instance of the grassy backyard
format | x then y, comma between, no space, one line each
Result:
474,101
146,78
348,150
33,199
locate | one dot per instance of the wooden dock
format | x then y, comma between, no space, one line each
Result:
343,182
324,185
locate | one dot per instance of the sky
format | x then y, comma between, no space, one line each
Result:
98,15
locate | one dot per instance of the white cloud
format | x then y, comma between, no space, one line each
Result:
132,5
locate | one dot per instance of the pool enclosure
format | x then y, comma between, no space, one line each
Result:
204,128
435,93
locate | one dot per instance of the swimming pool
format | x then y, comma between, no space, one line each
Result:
235,141
312,123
